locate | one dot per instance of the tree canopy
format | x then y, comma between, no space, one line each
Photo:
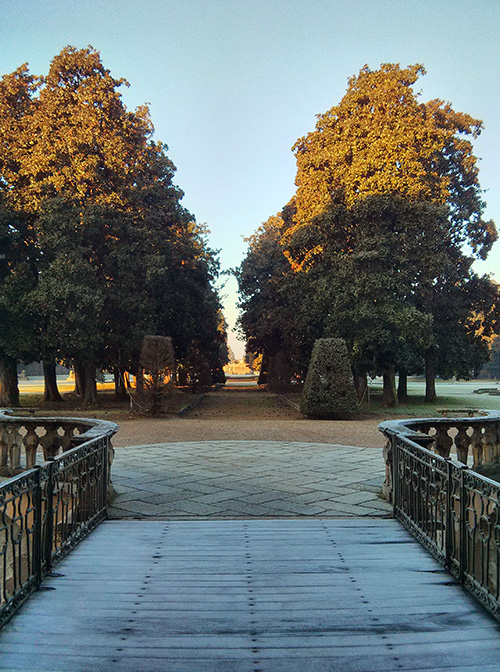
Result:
112,253
380,237
381,140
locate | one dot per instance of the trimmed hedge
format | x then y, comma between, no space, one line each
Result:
329,388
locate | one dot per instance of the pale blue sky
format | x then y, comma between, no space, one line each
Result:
232,84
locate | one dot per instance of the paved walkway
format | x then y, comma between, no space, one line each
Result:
246,479
250,596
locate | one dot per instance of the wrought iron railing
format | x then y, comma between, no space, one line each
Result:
451,509
44,512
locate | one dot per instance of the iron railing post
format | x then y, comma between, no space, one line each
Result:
395,475
49,517
448,520
105,475
38,526
462,555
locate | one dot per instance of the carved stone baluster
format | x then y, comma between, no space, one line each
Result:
495,436
490,443
50,441
477,445
65,439
443,441
31,441
15,450
111,456
4,450
387,488
7,441
462,443
424,428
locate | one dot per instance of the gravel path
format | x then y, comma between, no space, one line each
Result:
234,414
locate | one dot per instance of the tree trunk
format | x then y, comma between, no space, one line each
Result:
139,381
271,373
278,373
120,384
360,383
9,389
90,384
79,378
389,395
430,378
263,370
51,393
403,385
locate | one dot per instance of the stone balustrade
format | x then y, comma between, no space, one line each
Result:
473,440
22,438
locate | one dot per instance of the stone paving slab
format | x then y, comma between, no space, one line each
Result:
247,479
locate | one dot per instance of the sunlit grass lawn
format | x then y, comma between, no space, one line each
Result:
416,406
451,396
107,404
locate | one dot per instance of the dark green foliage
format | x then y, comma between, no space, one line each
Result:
492,368
329,388
279,373
199,373
380,235
96,249
17,278
278,313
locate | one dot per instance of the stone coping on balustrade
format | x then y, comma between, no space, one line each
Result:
89,428
409,427
483,440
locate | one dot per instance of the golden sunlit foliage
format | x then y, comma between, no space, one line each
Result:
380,139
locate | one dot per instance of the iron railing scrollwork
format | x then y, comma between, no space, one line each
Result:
454,513
46,511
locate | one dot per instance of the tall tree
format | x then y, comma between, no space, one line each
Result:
80,141
381,140
17,249
18,103
103,217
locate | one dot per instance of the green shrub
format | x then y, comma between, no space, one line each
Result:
329,388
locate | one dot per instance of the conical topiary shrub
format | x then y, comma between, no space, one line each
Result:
329,388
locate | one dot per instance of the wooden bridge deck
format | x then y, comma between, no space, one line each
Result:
250,596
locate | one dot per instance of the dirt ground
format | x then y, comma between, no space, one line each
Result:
240,414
